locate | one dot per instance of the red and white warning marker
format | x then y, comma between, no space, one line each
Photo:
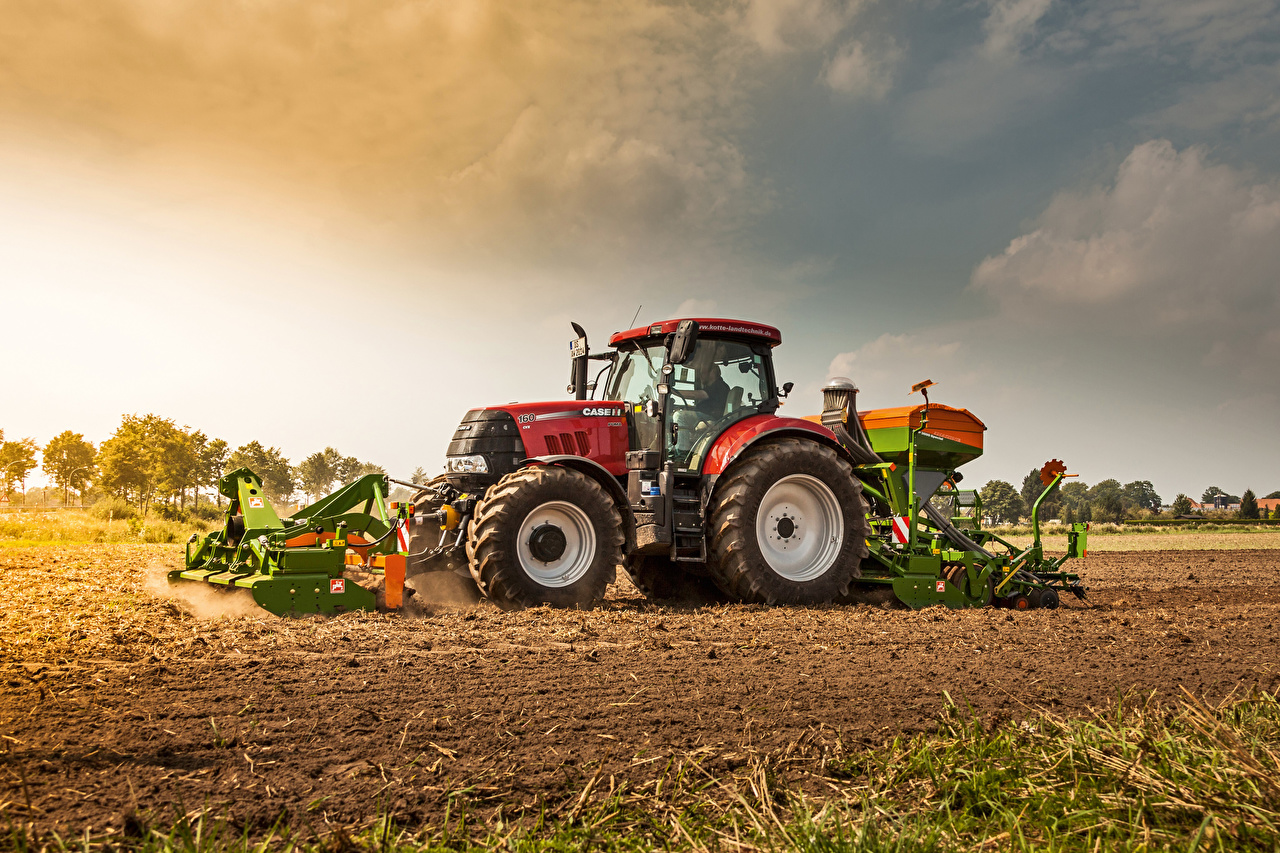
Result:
901,529
402,536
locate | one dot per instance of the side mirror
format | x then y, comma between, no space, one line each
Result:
683,342
786,389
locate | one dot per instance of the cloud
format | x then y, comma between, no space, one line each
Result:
886,367
1010,23
1208,30
1248,99
504,125
973,98
777,26
855,70
1175,246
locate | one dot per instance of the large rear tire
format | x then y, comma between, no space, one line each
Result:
663,579
788,525
545,535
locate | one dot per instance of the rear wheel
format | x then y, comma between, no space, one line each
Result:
545,535
663,579
788,525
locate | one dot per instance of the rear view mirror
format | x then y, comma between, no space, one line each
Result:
683,341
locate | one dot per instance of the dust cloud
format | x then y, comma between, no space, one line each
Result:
444,590
201,600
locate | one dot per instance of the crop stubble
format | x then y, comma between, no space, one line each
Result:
119,701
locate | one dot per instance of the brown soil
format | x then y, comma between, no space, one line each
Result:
119,701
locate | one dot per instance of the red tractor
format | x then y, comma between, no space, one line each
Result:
677,467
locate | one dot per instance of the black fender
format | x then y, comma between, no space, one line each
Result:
601,475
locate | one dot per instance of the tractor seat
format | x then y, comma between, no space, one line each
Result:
734,401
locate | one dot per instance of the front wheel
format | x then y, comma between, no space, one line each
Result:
788,525
545,535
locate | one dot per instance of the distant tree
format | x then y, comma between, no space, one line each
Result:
1269,497
68,460
1141,494
146,459
1213,491
420,476
1181,505
270,465
1248,505
1032,488
175,462
317,472
17,460
1075,497
213,462
126,461
1107,499
1002,501
351,468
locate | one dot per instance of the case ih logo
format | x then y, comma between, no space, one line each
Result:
602,412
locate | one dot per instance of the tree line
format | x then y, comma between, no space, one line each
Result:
1072,501
150,462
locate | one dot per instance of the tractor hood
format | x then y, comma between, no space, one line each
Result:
494,441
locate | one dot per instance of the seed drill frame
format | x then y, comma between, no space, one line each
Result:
296,565
923,546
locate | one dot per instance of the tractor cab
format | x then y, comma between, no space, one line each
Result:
685,382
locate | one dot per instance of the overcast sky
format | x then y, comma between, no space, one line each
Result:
345,223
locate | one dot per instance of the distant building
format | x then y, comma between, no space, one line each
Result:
1219,502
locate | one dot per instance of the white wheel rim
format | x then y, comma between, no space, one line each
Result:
579,549
800,528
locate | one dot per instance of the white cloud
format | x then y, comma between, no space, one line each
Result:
888,366
1174,246
855,70
1010,23
777,26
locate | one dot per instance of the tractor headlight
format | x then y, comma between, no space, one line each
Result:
466,465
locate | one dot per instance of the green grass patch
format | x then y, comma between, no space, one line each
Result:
1137,777
66,527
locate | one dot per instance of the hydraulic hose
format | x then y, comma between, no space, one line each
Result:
860,453
952,532
395,524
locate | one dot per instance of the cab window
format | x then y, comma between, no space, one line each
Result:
723,382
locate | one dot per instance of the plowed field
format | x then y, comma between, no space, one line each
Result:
119,701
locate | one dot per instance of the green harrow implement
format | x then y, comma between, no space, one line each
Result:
928,545
299,564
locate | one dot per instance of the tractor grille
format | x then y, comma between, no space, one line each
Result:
570,444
